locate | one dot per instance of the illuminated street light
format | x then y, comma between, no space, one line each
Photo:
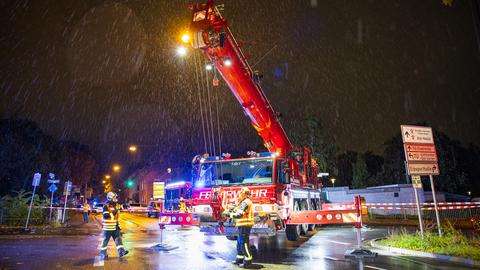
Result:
333,181
182,51
116,168
186,37
104,182
107,176
169,170
469,193
132,148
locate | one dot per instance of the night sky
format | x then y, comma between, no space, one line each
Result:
105,73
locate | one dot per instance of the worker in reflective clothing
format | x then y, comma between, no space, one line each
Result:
242,214
86,211
111,227
182,205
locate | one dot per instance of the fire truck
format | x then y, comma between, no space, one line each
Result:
286,192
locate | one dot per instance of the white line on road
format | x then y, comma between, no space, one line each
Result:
341,243
374,267
331,258
97,262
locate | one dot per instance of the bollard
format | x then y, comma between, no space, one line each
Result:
359,252
162,246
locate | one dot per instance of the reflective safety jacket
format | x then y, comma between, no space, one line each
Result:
243,213
110,216
86,208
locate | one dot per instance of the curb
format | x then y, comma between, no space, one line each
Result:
423,254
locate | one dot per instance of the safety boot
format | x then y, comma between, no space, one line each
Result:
122,252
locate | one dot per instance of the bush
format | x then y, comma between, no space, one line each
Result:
15,209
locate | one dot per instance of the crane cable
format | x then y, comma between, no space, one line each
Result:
210,111
200,101
218,119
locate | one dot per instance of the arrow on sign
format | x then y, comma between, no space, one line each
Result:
407,134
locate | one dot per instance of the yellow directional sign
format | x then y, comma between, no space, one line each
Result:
159,190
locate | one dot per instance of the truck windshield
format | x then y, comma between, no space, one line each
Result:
235,172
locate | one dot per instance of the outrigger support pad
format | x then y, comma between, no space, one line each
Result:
360,253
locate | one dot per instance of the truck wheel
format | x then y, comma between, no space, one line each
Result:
231,237
292,232
311,227
303,207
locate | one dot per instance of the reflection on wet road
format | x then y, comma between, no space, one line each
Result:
324,249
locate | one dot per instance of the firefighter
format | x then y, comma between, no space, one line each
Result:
242,214
86,211
182,205
111,226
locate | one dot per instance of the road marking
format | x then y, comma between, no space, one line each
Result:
97,262
331,258
341,243
374,267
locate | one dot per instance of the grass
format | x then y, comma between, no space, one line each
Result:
452,243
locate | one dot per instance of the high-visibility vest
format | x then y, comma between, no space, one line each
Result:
110,217
244,209
86,208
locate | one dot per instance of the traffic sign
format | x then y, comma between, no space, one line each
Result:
159,190
421,156
36,179
416,134
414,147
53,181
416,181
67,188
423,169
52,188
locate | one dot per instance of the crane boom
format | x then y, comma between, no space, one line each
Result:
212,35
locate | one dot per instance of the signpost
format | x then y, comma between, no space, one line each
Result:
36,181
52,188
159,190
66,192
421,159
416,182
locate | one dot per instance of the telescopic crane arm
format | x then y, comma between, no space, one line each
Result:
210,34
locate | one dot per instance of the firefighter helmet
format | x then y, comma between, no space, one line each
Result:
246,191
112,196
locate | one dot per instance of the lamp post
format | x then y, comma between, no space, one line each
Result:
333,181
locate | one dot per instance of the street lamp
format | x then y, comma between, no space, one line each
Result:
132,148
107,176
333,181
182,51
116,168
104,182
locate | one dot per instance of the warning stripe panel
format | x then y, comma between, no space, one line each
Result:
322,217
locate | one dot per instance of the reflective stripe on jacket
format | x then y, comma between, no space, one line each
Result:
243,214
110,217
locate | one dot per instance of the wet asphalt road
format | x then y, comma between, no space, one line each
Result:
324,249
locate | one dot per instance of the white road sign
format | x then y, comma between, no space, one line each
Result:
416,134
423,169
36,179
416,181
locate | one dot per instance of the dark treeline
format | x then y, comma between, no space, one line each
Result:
459,164
25,149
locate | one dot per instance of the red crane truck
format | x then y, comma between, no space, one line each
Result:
286,192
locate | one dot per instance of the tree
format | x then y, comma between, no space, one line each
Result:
360,173
310,133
